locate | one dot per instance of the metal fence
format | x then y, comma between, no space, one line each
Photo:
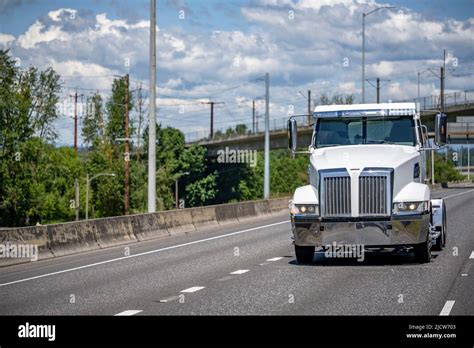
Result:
433,102
230,132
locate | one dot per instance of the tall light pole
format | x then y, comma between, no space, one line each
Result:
88,181
152,115
266,167
266,175
363,46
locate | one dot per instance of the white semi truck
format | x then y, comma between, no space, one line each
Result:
368,181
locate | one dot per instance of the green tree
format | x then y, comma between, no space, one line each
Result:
202,191
336,98
116,110
29,165
445,171
93,124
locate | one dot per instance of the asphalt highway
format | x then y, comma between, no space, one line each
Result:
248,268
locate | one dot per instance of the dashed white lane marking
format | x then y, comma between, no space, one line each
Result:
193,289
275,259
224,279
458,194
129,312
464,275
472,255
169,299
144,253
240,271
447,308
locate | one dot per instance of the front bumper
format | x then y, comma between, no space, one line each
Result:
395,231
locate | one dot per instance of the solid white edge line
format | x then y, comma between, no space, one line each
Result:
193,289
240,271
144,253
457,194
128,312
447,307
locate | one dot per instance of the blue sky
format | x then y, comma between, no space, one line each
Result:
219,48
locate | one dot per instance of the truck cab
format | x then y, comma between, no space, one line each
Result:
367,181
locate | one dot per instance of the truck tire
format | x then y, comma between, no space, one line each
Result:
304,254
423,251
441,241
445,225
438,246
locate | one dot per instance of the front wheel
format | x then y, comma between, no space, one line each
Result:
304,254
441,241
423,252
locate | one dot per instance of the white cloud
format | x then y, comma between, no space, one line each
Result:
307,52
37,33
57,14
5,38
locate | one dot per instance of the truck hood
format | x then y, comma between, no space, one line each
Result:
358,157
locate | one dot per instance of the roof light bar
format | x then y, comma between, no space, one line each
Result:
362,113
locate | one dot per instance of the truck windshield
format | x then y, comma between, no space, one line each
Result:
364,130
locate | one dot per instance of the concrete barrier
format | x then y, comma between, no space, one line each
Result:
226,213
245,210
115,231
278,204
203,217
24,237
262,207
149,226
178,221
74,237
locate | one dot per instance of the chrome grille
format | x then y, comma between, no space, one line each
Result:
374,194
336,196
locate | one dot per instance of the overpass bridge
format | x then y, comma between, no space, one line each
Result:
456,104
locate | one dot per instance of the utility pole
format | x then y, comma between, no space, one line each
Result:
211,134
140,103
378,90
377,87
309,107
441,89
75,95
468,155
127,151
75,122
256,121
418,82
363,46
266,176
253,116
152,115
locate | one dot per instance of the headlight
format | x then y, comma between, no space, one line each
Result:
410,207
308,209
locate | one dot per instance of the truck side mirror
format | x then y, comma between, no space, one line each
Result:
292,135
441,129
